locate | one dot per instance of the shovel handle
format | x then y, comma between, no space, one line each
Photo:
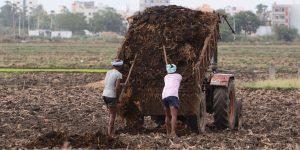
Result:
128,77
165,55
130,70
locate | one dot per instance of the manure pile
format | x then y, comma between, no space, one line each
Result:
182,31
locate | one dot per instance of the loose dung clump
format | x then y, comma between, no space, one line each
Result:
183,33
57,139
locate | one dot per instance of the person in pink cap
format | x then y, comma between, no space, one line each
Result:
170,98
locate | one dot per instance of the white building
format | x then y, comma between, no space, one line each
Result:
34,33
39,33
61,34
88,8
264,30
49,33
150,3
61,9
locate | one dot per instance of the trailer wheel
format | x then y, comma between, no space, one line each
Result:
224,107
202,115
197,122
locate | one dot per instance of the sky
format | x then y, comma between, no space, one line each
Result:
134,4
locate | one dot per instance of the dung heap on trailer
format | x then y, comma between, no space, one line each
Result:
183,33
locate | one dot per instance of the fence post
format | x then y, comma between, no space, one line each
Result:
298,70
272,72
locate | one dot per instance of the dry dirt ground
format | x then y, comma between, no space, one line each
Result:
45,110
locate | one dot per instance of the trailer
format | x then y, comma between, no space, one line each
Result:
192,46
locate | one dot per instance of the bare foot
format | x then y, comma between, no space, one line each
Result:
110,137
173,136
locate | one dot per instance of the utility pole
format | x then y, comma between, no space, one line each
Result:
20,23
28,23
38,22
29,13
51,17
13,11
234,37
24,15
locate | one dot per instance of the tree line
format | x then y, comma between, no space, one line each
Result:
12,21
12,18
246,23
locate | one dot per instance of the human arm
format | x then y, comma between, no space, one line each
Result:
118,87
179,78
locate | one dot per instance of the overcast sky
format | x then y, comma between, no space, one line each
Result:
134,4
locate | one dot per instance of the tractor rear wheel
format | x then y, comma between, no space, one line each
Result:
224,106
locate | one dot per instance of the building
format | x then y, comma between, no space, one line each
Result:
205,8
50,34
61,34
39,33
126,13
61,9
150,3
30,4
264,31
233,10
88,8
295,19
281,15
286,15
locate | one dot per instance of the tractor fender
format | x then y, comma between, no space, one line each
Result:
221,79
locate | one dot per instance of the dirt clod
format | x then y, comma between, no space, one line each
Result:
58,139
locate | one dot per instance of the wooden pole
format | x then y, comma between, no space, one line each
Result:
298,69
272,72
165,55
128,77
130,70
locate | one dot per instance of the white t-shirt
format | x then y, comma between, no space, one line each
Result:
172,83
110,83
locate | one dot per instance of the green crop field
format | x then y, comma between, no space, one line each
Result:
94,55
20,70
57,55
259,57
273,84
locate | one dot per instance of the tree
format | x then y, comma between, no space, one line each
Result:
222,11
39,18
261,9
246,22
9,14
225,31
261,12
107,20
286,34
74,22
6,15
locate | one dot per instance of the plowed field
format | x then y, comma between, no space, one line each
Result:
45,110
